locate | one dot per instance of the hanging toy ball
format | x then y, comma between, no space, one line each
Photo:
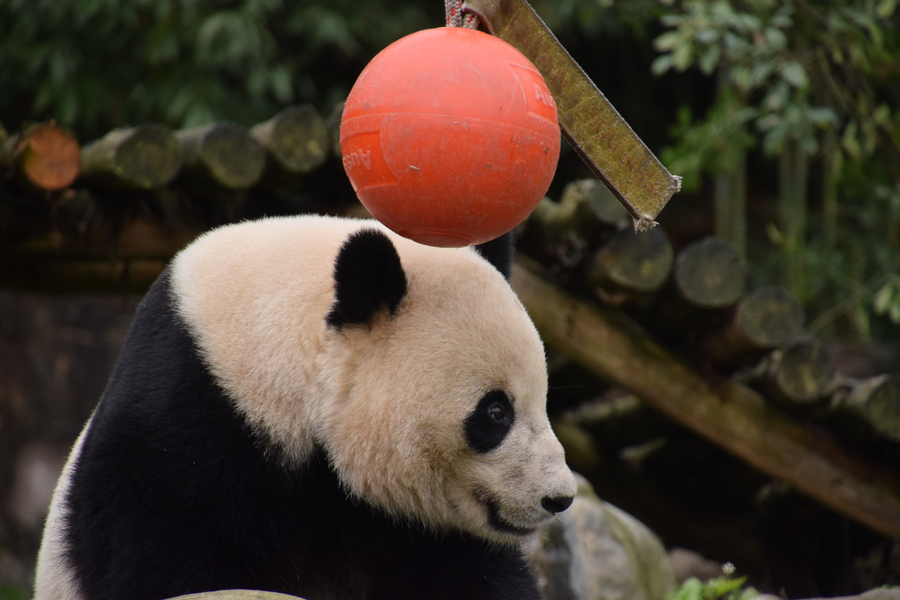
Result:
450,137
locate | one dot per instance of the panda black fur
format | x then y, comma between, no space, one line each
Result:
318,407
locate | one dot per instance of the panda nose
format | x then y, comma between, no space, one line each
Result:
556,504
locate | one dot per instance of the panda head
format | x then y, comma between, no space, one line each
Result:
442,411
415,368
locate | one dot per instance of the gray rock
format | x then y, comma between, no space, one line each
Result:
687,563
595,551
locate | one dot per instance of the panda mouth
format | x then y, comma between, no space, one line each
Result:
495,520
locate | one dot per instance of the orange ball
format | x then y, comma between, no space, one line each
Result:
450,137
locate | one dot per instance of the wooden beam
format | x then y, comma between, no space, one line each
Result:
727,413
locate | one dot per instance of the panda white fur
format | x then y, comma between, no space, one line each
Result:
319,407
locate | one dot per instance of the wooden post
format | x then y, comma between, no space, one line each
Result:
793,176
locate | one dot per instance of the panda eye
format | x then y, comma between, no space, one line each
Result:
497,412
489,423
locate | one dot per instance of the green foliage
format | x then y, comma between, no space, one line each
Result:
818,74
97,64
752,49
887,299
721,588
13,592
798,74
710,146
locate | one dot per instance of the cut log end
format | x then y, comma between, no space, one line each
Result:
770,317
767,318
882,406
223,154
49,157
710,273
145,157
605,207
803,375
634,262
296,138
149,158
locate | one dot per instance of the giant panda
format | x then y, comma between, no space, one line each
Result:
314,406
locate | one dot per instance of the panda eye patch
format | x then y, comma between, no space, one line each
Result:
488,424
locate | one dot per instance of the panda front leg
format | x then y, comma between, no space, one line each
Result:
413,564
493,574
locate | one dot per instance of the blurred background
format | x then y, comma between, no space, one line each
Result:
783,117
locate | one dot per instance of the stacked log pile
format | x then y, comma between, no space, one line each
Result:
108,215
697,404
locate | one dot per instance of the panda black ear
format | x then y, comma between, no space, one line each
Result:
368,276
499,252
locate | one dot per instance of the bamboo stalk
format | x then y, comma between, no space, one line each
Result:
731,206
793,174
727,413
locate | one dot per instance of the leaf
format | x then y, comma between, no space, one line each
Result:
850,143
882,115
282,84
821,116
760,72
741,77
773,141
708,36
668,41
691,589
776,38
775,235
749,594
781,20
709,60
886,8
794,74
682,57
661,64
735,46
749,23
723,586
883,299
777,98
